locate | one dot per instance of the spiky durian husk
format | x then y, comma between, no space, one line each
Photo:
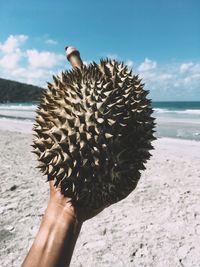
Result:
93,132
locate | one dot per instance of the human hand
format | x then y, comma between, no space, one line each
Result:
58,232
59,201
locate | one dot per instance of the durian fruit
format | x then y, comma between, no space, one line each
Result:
93,132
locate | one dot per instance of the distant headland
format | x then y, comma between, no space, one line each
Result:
12,91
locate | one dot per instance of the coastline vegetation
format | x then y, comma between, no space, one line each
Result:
12,91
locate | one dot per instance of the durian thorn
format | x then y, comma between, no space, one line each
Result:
36,152
61,171
108,135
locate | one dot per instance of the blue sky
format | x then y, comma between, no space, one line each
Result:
159,39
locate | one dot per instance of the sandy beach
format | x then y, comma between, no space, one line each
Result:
157,225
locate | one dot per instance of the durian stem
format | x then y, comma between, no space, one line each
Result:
73,56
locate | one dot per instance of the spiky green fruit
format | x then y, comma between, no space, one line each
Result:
93,132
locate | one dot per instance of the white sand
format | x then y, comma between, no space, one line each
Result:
157,225
14,125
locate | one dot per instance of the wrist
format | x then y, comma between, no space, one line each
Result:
58,211
61,215
56,238
58,224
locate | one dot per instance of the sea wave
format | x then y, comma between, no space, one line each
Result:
18,107
33,107
171,111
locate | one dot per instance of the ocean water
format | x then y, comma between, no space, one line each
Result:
173,119
177,119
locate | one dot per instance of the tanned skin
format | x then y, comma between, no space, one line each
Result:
60,227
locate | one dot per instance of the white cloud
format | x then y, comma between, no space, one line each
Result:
165,77
10,53
191,79
172,81
185,67
195,68
12,43
190,67
87,62
51,42
31,66
44,59
37,76
129,63
176,81
147,65
10,61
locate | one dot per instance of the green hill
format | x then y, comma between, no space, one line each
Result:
11,91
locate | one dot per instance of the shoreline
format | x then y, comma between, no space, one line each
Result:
173,119
25,126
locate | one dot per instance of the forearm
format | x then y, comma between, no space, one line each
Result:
55,241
